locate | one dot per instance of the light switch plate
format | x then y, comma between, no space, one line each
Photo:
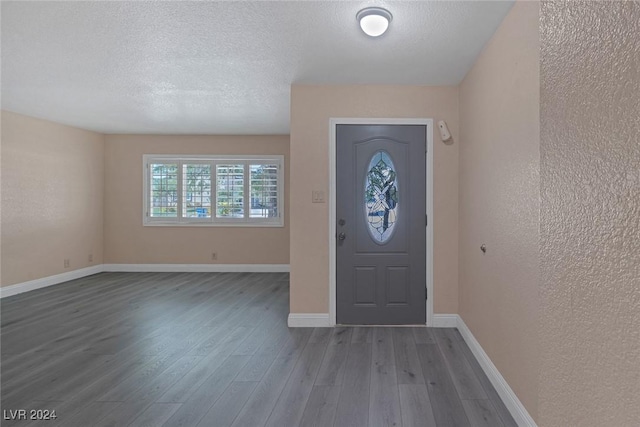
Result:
317,196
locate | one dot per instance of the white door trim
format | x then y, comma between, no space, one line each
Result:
332,203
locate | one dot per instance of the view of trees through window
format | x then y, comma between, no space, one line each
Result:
230,191
264,191
197,191
198,199
164,190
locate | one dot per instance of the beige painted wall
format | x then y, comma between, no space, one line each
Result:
311,109
590,210
128,242
499,200
52,198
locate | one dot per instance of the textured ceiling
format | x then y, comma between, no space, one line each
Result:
220,67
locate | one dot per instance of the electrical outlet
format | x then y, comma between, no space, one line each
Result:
214,256
67,263
90,257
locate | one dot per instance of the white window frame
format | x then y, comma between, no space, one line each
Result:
213,160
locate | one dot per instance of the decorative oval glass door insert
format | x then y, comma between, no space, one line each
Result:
381,197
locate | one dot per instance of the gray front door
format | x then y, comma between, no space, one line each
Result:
380,224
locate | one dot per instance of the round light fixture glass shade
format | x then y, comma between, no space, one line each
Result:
374,21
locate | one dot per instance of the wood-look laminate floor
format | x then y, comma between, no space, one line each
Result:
214,349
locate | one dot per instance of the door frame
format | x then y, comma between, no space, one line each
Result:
333,122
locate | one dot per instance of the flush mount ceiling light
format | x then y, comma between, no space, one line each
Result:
374,21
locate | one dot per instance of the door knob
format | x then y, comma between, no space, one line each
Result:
342,236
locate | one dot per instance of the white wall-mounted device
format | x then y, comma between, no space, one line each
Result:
444,131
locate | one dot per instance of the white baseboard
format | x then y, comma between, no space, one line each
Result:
308,320
511,401
31,285
198,268
445,320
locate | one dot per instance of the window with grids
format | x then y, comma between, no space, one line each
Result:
212,190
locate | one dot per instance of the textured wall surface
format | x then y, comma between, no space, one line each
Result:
311,109
52,198
500,199
590,214
127,241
